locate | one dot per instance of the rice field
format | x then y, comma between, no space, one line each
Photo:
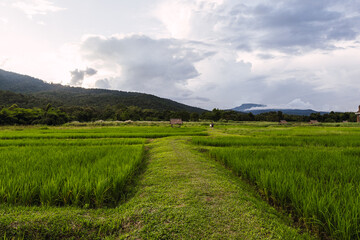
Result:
100,132
84,167
90,176
311,172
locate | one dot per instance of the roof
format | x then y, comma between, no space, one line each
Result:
176,121
358,112
313,121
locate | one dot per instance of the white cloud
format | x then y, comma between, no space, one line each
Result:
4,21
299,104
36,7
286,51
207,53
77,76
294,104
102,83
3,61
140,63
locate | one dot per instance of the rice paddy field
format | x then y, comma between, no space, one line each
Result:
310,172
82,167
234,181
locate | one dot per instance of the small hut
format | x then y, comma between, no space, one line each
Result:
358,115
176,121
283,122
313,122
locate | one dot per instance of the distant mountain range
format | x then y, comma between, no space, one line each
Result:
261,108
28,92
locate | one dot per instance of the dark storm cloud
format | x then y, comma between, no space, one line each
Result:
77,76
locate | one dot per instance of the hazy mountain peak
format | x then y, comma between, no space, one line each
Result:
246,106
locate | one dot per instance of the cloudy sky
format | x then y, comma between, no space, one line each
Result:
205,53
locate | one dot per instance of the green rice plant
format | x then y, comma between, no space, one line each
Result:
58,175
105,132
321,187
290,140
71,142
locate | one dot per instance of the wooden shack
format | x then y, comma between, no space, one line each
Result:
283,122
358,115
313,122
176,121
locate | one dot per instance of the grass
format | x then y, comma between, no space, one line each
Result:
312,172
90,176
341,141
100,132
180,195
152,182
23,142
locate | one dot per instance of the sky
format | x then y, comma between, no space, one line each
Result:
205,53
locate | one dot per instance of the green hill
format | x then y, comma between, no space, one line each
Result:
27,91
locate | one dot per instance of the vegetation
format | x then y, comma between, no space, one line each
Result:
154,182
101,133
179,193
29,92
229,115
15,115
56,116
56,176
85,105
313,172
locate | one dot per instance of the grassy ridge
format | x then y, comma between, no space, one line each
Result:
315,172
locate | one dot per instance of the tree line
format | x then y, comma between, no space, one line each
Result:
56,116
15,115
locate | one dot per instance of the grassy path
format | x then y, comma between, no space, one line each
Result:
180,195
190,197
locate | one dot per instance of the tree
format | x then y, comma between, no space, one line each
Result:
194,117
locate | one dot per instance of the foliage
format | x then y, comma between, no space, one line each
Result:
32,92
311,171
178,194
102,135
80,176
72,167
21,116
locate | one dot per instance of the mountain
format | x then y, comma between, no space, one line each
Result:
247,107
27,91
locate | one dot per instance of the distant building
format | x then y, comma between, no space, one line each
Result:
358,115
313,122
175,121
283,122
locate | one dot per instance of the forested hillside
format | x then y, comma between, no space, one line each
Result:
37,93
